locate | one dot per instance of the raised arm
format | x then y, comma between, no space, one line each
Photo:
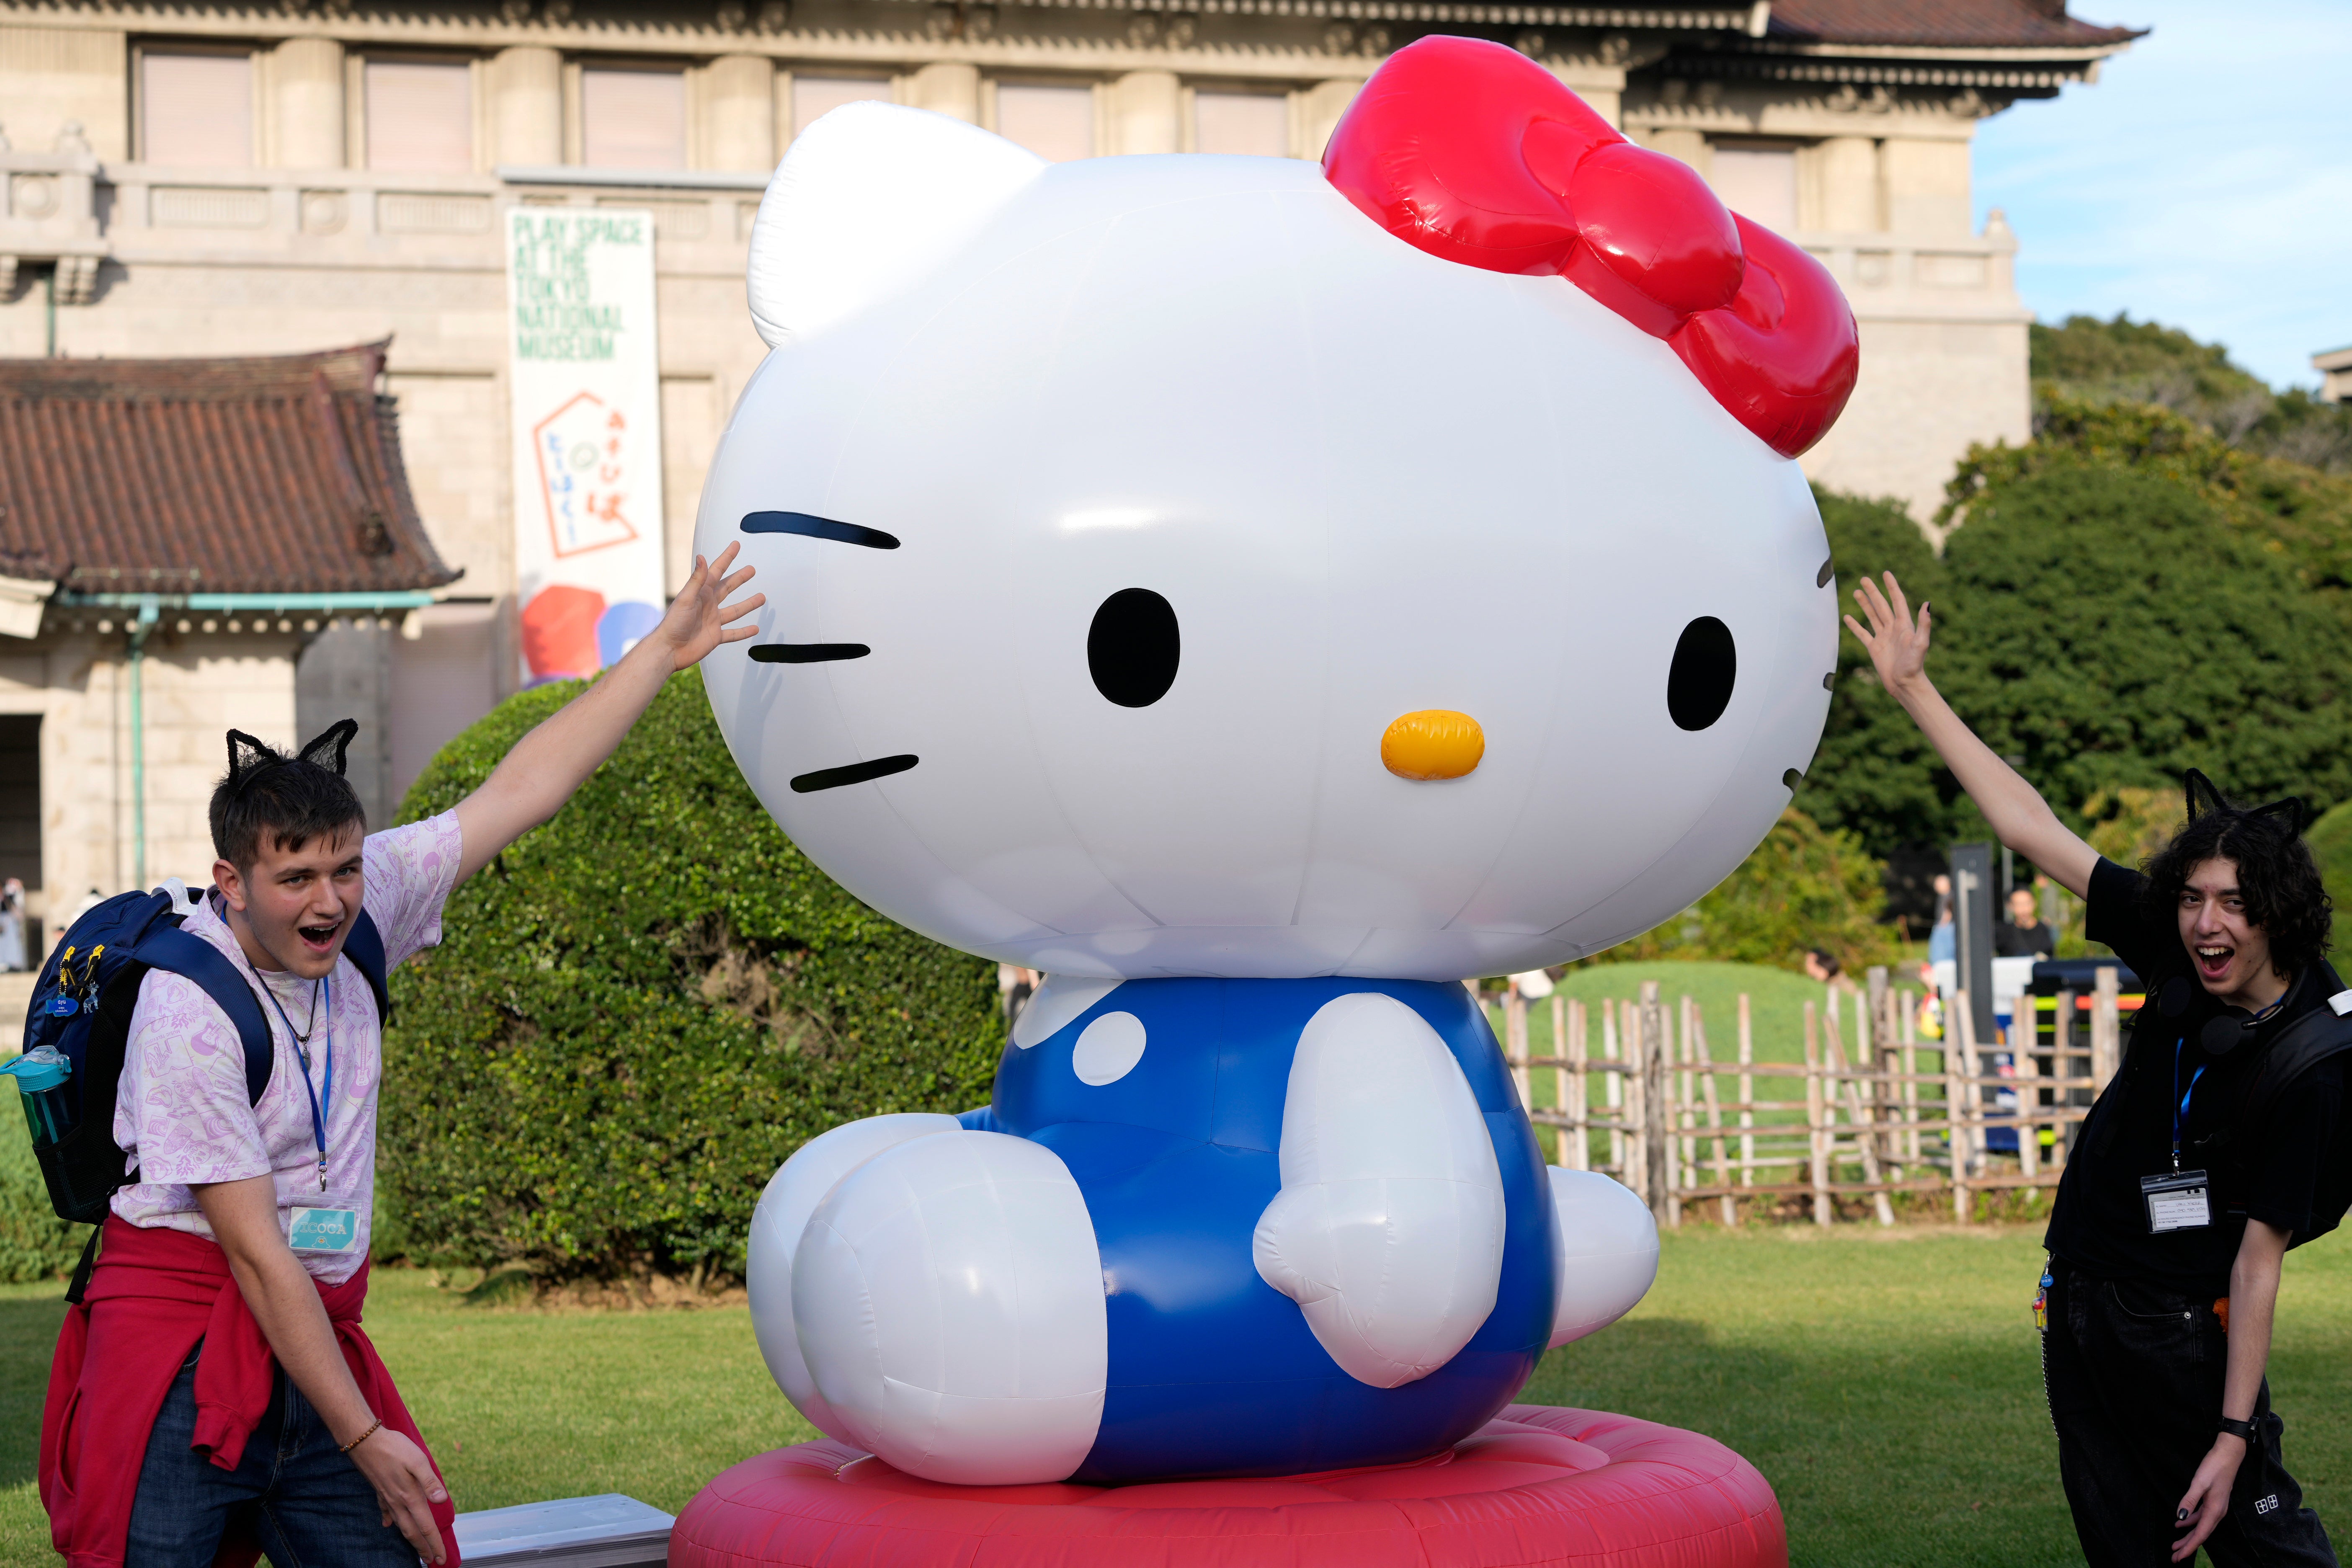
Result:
546,765
1898,650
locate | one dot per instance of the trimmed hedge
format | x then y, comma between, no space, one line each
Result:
34,1244
640,1009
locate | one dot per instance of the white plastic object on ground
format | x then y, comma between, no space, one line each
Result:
1608,1252
791,1195
1388,1231
949,1296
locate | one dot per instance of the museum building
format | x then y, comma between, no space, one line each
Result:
281,182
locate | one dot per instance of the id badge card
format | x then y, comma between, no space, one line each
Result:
2177,1202
319,1231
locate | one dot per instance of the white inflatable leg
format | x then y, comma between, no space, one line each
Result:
1388,1231
950,1299
1608,1252
793,1195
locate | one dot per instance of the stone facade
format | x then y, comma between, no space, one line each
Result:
312,225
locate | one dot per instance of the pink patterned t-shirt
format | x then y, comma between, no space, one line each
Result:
181,1115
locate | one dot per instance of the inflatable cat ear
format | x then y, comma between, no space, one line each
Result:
1475,153
870,196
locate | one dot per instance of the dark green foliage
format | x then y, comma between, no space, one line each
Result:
34,1244
2109,627
641,1008
2124,361
1874,774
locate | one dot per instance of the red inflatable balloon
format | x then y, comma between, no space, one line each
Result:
1475,153
1536,1486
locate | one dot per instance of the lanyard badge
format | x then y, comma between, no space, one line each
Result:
2183,1200
327,1047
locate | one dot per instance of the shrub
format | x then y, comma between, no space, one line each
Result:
641,1008
34,1244
1804,886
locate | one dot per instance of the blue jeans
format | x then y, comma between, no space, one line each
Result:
308,1506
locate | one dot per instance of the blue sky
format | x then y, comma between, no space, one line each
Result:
2204,181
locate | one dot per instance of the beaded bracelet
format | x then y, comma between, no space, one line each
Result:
362,1437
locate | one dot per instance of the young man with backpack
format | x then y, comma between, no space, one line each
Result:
213,1383
2214,1149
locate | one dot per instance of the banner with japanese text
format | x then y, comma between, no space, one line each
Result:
585,395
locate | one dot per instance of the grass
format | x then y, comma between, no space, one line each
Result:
1887,1383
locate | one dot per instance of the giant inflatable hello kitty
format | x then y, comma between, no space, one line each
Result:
1262,596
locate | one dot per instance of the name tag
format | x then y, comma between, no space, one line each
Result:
323,1230
2177,1202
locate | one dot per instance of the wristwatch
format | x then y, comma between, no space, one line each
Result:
2241,1430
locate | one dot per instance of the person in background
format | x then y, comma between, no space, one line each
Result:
2024,934
1944,939
12,924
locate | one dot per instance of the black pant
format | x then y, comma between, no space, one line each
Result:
2133,1374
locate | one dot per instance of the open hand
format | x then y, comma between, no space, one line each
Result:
2208,1498
699,618
406,1489
1897,643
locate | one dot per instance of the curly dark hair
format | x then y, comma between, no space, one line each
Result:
2277,877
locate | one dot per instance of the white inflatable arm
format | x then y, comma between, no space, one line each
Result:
1608,1252
793,1195
1388,1231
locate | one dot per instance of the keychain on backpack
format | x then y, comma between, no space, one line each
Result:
2041,1303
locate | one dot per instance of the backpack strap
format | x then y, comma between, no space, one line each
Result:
365,948
173,949
2300,1047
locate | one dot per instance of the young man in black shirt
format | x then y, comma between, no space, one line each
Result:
2170,1223
2025,934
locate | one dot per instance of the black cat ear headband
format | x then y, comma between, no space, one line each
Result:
249,758
2204,800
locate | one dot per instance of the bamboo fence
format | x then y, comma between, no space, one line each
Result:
1870,1111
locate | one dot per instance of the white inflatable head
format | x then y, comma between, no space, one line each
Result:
1171,572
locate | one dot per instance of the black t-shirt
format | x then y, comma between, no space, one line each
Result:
2099,1223
2010,940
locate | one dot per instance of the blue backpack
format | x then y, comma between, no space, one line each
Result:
82,1007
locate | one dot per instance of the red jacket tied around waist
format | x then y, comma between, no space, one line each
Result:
155,1293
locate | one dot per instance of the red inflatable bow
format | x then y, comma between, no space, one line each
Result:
1477,154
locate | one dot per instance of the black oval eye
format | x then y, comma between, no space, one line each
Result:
1698,685
1131,649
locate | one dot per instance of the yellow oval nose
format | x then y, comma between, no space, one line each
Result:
1434,743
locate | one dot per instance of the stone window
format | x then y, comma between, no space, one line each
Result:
632,118
1759,181
420,114
815,97
1056,124
1254,122
195,108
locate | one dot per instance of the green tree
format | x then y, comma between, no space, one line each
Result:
1874,774
2109,625
641,1008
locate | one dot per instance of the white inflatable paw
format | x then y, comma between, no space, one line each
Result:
1608,1252
793,1195
948,1297
1388,1231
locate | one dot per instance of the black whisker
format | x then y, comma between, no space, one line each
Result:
856,772
806,652
819,528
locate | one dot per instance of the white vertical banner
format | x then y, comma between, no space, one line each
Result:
585,399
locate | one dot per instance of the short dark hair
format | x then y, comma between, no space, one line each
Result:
2278,879
292,799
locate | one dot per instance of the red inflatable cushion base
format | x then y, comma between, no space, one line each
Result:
1537,1485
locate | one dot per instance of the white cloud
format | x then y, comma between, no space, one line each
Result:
2204,181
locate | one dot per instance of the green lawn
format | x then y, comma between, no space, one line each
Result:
1887,1383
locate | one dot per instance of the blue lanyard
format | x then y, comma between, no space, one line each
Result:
2180,1098
319,1122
